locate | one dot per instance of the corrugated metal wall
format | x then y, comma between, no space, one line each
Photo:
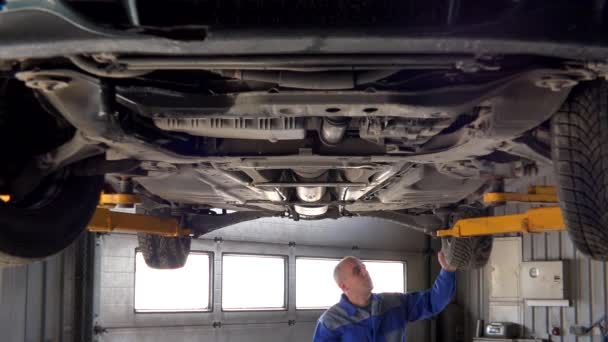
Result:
39,302
471,295
587,282
115,291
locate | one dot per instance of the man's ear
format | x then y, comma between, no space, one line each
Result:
342,286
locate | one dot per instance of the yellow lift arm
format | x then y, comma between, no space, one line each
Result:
105,221
536,194
112,199
535,220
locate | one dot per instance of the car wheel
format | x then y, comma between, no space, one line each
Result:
49,219
467,253
580,158
161,252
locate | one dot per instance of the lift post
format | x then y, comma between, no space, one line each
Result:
536,220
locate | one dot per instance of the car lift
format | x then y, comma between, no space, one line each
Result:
105,220
536,220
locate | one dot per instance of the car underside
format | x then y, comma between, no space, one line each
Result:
400,110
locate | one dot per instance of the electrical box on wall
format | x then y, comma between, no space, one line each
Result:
542,283
505,304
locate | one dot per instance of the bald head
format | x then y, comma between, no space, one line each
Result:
352,278
341,267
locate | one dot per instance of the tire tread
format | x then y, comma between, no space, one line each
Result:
161,252
580,155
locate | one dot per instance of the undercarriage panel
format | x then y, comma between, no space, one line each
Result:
348,117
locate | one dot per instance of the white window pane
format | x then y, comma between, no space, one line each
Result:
253,282
315,285
182,289
387,276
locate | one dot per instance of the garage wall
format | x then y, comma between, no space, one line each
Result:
117,321
587,285
41,301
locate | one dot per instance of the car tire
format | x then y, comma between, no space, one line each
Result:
164,253
580,158
467,253
49,219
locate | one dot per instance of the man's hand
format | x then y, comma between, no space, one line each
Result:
444,264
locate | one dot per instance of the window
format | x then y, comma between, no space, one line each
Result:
316,288
315,285
183,289
388,276
253,282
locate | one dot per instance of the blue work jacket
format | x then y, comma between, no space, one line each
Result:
390,312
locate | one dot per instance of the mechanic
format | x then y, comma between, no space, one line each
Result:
365,316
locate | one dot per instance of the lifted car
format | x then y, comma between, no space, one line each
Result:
403,110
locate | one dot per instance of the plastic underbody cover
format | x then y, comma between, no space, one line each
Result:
273,129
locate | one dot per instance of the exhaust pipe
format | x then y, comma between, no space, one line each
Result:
333,130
